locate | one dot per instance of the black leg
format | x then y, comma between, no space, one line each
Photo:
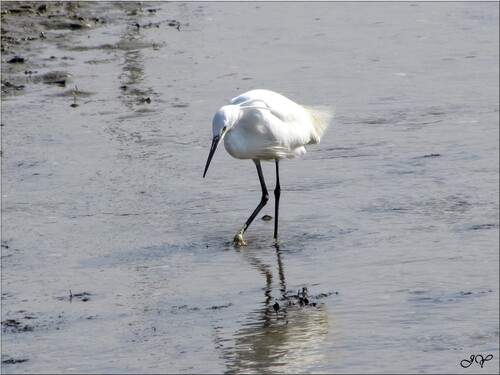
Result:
238,239
277,193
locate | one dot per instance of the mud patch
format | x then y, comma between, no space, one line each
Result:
13,361
16,326
296,299
23,322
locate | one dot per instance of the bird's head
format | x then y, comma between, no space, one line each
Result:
223,121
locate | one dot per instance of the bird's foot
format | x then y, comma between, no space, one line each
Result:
238,239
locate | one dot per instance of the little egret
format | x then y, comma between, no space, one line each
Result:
264,125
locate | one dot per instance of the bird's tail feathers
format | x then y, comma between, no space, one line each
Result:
320,118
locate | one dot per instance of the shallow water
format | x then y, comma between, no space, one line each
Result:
117,255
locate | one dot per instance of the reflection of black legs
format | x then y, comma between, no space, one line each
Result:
238,239
277,193
281,270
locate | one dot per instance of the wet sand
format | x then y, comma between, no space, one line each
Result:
117,255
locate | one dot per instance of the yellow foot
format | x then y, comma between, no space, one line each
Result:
238,240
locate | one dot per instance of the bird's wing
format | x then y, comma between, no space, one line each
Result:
271,101
261,104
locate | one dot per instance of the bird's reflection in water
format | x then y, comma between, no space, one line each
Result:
284,338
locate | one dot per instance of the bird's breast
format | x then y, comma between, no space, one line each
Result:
243,144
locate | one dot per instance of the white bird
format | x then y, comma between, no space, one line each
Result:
264,125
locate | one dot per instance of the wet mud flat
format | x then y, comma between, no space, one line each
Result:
31,72
117,255
41,77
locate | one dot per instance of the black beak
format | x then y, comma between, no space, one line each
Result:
215,143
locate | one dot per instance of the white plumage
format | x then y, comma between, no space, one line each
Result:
264,125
